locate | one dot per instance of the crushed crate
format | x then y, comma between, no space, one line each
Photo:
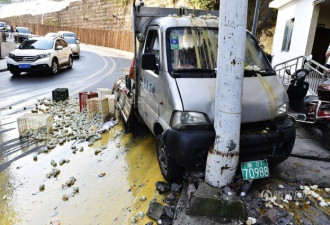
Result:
124,72
60,94
112,104
103,92
33,121
83,97
98,105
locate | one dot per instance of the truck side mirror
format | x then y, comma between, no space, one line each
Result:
149,62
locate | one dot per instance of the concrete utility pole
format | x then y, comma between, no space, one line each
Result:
222,161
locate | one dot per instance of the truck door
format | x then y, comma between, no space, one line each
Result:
149,80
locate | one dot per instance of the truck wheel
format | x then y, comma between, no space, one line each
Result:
171,171
326,139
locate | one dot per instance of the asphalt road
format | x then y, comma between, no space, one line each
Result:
97,67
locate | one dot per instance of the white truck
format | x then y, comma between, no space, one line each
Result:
172,90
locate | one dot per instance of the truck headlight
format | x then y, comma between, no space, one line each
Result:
183,120
41,56
282,109
12,56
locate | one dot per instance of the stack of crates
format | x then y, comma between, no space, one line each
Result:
112,104
33,121
98,105
83,97
60,94
103,92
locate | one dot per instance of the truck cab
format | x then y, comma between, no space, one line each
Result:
174,91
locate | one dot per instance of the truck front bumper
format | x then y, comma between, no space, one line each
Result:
271,140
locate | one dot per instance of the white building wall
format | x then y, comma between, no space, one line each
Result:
301,11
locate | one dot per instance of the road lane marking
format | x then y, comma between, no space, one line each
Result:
101,78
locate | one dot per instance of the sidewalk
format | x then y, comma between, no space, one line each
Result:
3,65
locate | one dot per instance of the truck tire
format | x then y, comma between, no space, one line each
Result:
326,138
171,171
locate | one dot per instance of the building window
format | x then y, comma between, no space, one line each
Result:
287,35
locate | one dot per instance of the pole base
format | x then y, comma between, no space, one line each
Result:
212,202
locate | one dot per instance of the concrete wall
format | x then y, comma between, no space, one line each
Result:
302,12
91,14
7,47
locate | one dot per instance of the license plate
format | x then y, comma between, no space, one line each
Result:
24,66
255,169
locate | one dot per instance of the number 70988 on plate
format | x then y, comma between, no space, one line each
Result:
255,169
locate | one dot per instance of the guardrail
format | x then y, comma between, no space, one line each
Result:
317,72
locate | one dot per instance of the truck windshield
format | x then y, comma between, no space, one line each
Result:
194,49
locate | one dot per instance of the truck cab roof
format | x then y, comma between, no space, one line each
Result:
185,21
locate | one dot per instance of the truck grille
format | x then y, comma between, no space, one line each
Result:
25,58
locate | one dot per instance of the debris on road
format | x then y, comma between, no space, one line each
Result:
54,173
251,221
55,222
162,187
176,187
102,174
191,190
168,211
41,187
65,197
53,163
67,124
62,161
97,151
69,182
155,210
75,191
143,198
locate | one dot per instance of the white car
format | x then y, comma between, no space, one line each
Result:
40,54
75,46
66,34
23,33
52,35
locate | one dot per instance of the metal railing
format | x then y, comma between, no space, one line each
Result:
317,72
292,65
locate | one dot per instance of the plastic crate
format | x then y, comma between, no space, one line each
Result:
103,92
33,121
112,104
98,105
60,94
83,96
124,72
